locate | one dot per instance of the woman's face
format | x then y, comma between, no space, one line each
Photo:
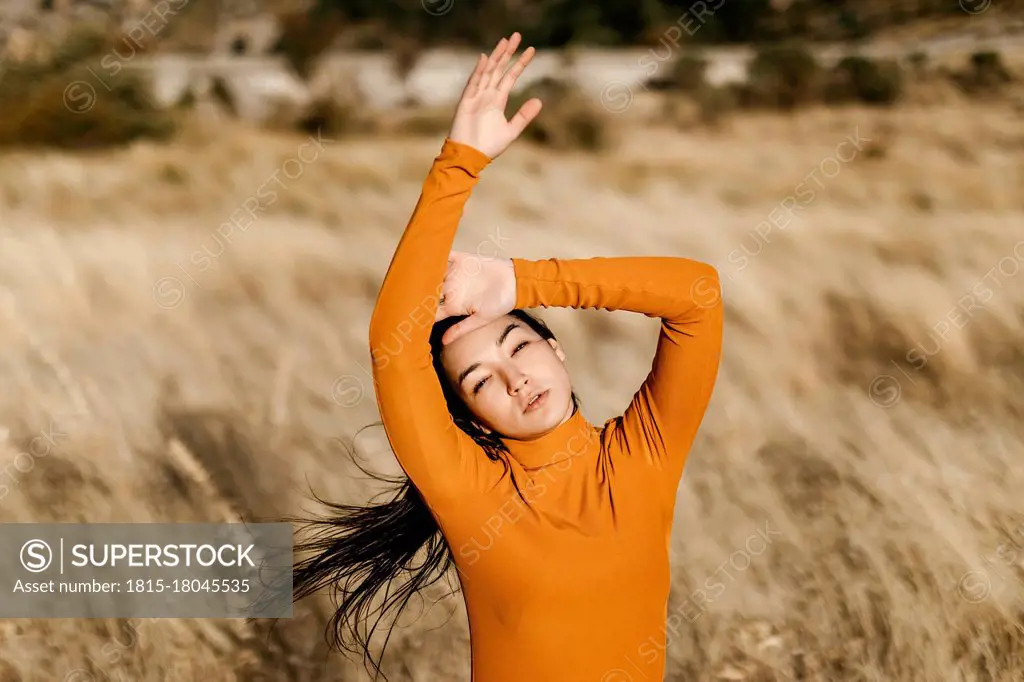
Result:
499,368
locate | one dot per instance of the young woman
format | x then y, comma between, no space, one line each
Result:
558,529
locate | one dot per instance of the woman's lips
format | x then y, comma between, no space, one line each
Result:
538,403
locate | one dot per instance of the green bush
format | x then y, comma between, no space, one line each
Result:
783,77
865,80
62,101
569,119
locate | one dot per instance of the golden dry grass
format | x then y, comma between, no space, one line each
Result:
196,387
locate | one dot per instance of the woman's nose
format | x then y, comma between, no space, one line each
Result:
517,383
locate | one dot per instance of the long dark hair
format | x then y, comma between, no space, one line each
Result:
358,551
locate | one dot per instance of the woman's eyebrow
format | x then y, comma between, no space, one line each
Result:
465,372
506,332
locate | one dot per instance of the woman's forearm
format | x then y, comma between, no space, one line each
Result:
438,459
671,288
404,312
662,419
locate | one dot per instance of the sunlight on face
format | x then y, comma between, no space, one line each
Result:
498,368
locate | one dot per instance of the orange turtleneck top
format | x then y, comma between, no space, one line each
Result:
568,579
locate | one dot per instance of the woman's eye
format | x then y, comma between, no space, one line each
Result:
522,344
479,385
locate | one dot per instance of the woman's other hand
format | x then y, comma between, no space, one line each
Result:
480,114
484,288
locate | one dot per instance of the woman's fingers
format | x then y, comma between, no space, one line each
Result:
472,322
508,81
452,297
489,72
524,116
499,60
449,302
498,50
492,62
444,311
499,69
473,83
479,78
455,259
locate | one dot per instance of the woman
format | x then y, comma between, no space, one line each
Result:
559,530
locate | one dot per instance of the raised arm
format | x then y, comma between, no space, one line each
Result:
437,456
662,419
411,403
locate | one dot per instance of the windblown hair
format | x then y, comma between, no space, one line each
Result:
358,552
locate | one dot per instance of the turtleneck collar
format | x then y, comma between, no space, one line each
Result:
572,438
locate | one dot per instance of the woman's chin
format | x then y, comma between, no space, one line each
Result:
538,421
546,416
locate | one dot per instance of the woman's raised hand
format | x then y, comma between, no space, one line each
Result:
484,288
480,114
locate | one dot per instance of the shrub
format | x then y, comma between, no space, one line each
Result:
716,103
688,73
986,72
220,93
329,115
742,95
569,119
918,61
865,80
81,43
709,106
990,62
304,37
428,121
405,53
784,77
59,101
336,108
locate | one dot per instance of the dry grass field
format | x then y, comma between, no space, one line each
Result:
851,510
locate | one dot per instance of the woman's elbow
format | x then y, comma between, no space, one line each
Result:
706,287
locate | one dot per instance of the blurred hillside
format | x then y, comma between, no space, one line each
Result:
258,26
97,81
556,23
274,59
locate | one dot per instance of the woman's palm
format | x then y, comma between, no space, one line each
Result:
480,115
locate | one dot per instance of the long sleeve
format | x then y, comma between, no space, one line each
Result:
662,419
438,457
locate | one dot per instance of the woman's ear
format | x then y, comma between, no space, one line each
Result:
557,348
